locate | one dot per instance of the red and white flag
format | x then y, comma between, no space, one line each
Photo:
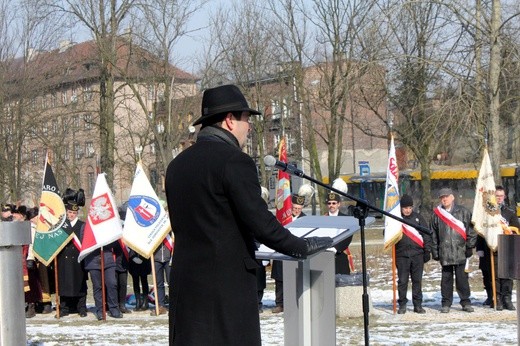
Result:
103,225
147,224
393,228
283,190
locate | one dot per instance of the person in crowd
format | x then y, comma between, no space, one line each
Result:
161,261
72,277
411,253
453,240
216,211
139,268
7,212
93,265
343,258
277,268
33,292
121,254
503,287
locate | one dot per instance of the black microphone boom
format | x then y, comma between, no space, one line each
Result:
270,161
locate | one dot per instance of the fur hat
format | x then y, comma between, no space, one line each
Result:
406,201
221,100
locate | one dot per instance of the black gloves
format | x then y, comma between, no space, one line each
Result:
469,253
426,256
435,258
315,244
30,264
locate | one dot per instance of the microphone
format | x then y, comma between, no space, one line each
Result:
270,161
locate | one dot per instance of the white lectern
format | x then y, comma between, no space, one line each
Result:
309,285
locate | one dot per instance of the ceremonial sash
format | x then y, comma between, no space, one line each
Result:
413,234
350,259
168,242
451,221
76,242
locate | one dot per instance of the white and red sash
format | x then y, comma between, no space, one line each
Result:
76,242
413,234
451,221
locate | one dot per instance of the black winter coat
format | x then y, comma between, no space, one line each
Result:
72,276
511,219
447,245
217,211
406,247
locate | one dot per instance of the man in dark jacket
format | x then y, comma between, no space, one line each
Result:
72,276
411,253
343,258
453,240
216,211
503,287
93,265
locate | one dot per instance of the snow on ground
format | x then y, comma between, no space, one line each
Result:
483,327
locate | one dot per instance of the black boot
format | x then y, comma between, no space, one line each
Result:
508,304
138,302
123,309
31,310
489,298
146,305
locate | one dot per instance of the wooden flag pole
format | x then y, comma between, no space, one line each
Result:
154,278
493,284
394,285
56,284
103,299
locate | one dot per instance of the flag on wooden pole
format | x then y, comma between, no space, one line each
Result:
283,190
147,224
486,216
393,228
103,225
50,236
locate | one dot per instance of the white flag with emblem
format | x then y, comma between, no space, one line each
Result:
393,228
486,212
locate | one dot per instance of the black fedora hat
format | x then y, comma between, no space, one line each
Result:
223,99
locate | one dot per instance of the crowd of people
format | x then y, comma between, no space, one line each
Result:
71,285
219,216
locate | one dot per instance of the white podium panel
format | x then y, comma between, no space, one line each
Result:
309,285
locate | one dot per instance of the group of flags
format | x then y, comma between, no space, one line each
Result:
486,216
146,224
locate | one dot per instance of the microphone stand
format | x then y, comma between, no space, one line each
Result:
360,213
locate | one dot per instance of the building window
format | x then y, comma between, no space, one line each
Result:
34,156
78,152
89,149
66,153
75,122
44,102
54,100
87,93
151,92
88,121
45,129
64,99
91,182
55,127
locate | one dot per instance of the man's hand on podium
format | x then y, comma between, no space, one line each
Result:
316,244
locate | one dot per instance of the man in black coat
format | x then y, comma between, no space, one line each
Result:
503,287
343,256
216,211
72,277
453,240
411,253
